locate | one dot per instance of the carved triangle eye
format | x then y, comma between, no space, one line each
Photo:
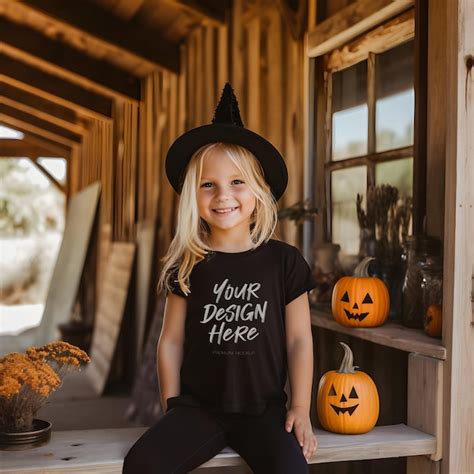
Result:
353,393
345,297
332,391
367,299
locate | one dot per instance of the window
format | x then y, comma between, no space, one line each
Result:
369,103
57,167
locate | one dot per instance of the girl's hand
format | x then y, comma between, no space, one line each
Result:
299,418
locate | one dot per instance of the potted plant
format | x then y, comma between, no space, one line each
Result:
299,212
26,381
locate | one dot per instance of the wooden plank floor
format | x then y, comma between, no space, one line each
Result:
102,451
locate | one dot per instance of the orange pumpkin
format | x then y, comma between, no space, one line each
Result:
360,300
347,401
433,320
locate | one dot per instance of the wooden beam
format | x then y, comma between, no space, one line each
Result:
380,39
351,21
458,315
420,121
212,15
42,108
93,25
77,129
40,123
425,412
436,118
52,146
28,127
295,19
63,114
31,47
20,148
126,9
53,88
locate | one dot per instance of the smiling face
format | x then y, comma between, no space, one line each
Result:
360,301
347,403
353,310
339,409
224,199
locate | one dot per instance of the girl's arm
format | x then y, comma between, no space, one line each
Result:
169,353
299,342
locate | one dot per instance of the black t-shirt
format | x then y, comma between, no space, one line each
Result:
235,358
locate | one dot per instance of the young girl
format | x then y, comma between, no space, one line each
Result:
237,315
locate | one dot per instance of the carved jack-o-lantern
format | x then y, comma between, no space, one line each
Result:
360,300
433,320
348,401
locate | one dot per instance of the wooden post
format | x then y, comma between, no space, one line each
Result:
458,330
425,407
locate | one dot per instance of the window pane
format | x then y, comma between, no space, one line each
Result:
349,112
56,167
398,173
395,98
7,132
345,184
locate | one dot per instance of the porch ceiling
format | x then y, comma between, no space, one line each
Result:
64,63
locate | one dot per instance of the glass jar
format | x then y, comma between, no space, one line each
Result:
326,270
431,284
418,251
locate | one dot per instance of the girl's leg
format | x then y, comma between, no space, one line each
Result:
265,445
181,440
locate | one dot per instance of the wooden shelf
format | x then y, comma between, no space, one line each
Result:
102,451
390,334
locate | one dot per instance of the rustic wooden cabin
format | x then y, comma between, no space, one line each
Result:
109,85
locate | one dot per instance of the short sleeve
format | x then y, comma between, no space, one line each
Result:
298,275
174,285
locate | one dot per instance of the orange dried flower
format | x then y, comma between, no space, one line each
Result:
26,380
24,386
61,352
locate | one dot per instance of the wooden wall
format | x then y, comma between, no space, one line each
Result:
161,121
267,73
93,161
265,84
265,65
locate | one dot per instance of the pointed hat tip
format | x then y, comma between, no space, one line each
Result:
227,110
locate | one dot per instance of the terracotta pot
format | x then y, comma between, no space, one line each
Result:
38,436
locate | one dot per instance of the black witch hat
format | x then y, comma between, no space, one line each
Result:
226,126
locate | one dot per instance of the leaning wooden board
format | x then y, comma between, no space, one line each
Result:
91,381
102,451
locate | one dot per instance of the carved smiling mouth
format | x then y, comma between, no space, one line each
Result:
338,410
357,316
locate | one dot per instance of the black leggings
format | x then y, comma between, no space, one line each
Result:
185,437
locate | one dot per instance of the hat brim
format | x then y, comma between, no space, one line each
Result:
186,145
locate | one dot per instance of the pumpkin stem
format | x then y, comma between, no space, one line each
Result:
362,270
346,365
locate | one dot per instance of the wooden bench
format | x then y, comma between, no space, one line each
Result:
102,451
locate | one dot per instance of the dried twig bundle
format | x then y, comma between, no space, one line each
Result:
386,221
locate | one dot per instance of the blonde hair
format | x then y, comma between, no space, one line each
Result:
189,245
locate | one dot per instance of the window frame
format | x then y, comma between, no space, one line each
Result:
383,37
